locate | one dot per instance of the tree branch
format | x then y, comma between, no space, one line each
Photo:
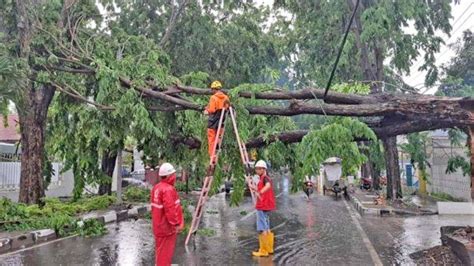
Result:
72,70
159,95
393,130
77,96
297,108
304,94
175,13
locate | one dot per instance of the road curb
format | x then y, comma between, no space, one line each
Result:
28,239
385,211
463,250
364,210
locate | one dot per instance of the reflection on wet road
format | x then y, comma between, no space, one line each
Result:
316,232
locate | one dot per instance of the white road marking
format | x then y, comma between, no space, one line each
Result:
278,226
37,246
373,253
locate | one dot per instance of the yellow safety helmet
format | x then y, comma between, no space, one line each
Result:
216,85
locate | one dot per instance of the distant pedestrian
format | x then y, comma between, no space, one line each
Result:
265,204
166,214
308,186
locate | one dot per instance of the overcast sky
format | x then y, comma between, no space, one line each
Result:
462,20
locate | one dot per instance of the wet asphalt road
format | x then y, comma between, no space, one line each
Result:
322,231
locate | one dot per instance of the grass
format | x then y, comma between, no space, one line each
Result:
181,186
55,214
136,194
208,232
444,197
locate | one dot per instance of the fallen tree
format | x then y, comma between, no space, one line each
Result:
396,114
400,114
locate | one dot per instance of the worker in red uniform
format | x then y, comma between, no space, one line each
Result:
166,214
217,103
265,204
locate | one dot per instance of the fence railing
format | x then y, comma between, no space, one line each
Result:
10,175
7,157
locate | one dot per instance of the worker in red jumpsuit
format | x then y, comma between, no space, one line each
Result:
166,214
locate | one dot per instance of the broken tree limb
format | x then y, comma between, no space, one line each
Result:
450,111
285,137
414,107
304,94
191,142
297,108
413,113
393,130
159,95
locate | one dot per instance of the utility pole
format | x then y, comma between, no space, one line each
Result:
119,176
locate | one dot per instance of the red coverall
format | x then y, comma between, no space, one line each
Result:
167,215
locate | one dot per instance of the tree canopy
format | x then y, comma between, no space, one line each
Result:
83,80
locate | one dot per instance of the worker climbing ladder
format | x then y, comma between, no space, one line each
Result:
212,166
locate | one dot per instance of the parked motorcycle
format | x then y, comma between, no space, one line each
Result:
308,188
365,183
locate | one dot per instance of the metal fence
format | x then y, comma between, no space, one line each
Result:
10,175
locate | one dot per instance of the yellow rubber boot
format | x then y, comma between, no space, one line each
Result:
262,252
270,241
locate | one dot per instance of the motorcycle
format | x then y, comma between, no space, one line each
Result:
365,183
308,188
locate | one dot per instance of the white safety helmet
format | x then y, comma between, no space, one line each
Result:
261,164
166,169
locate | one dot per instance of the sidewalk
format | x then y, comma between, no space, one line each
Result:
11,241
365,203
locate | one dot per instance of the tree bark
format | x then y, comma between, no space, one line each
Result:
176,12
394,189
107,167
119,176
32,115
471,153
375,176
32,145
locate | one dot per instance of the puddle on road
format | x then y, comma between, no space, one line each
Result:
315,232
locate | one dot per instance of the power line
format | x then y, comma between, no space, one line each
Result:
340,50
452,36
469,7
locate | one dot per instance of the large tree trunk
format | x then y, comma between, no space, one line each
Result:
375,176
32,124
471,153
107,166
365,171
394,189
32,146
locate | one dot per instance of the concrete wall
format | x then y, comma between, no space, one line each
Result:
454,184
61,189
10,174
